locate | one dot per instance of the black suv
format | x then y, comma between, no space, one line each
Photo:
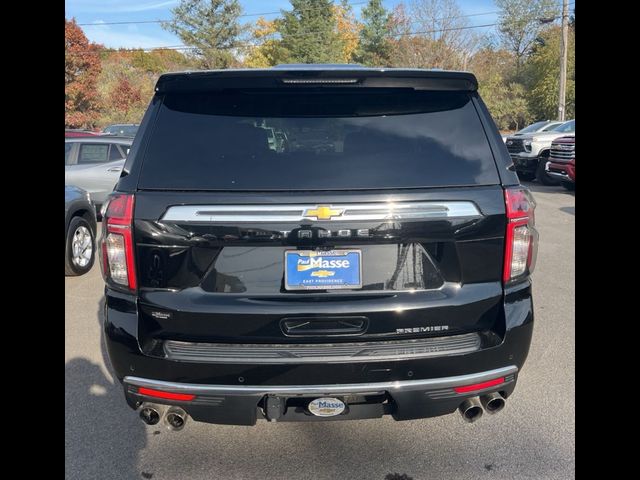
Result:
377,262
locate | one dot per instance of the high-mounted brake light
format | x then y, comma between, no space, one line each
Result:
521,239
117,244
319,81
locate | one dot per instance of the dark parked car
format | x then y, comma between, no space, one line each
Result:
95,164
79,231
562,161
122,129
378,265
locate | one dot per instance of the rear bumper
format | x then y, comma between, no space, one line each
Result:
243,405
232,392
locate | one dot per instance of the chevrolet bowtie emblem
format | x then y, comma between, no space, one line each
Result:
323,212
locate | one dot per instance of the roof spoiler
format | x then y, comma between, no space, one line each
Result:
292,76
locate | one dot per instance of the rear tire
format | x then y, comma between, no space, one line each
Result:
80,247
541,175
569,186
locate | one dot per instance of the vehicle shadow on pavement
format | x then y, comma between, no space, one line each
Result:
363,449
102,436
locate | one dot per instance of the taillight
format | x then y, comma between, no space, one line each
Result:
117,241
521,239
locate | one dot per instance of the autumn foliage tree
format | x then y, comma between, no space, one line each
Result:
124,97
444,39
268,50
348,30
127,80
81,70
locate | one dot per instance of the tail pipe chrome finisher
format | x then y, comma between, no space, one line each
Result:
175,418
150,414
492,402
470,409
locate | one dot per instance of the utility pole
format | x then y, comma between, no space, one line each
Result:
563,59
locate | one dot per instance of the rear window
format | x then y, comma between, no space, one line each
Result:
115,153
67,152
311,140
93,153
532,128
566,127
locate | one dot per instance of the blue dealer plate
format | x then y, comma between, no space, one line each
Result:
323,270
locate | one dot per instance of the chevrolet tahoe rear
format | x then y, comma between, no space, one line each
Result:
375,260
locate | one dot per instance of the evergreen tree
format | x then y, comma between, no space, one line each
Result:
211,26
309,32
374,48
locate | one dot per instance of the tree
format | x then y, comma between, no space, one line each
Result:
520,22
124,96
505,98
126,83
375,47
348,29
309,32
159,60
432,34
212,27
542,73
267,50
81,70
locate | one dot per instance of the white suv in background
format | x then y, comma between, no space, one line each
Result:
530,152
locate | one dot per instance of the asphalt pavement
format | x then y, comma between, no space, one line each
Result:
532,438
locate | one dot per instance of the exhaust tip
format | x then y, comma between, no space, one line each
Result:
471,410
493,402
176,418
149,415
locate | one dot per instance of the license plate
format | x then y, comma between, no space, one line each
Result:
322,270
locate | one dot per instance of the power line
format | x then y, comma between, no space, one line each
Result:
133,22
243,15
250,44
260,14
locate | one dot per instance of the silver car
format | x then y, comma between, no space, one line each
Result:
542,126
94,164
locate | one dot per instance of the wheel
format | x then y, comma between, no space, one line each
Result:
569,186
526,176
80,247
541,175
